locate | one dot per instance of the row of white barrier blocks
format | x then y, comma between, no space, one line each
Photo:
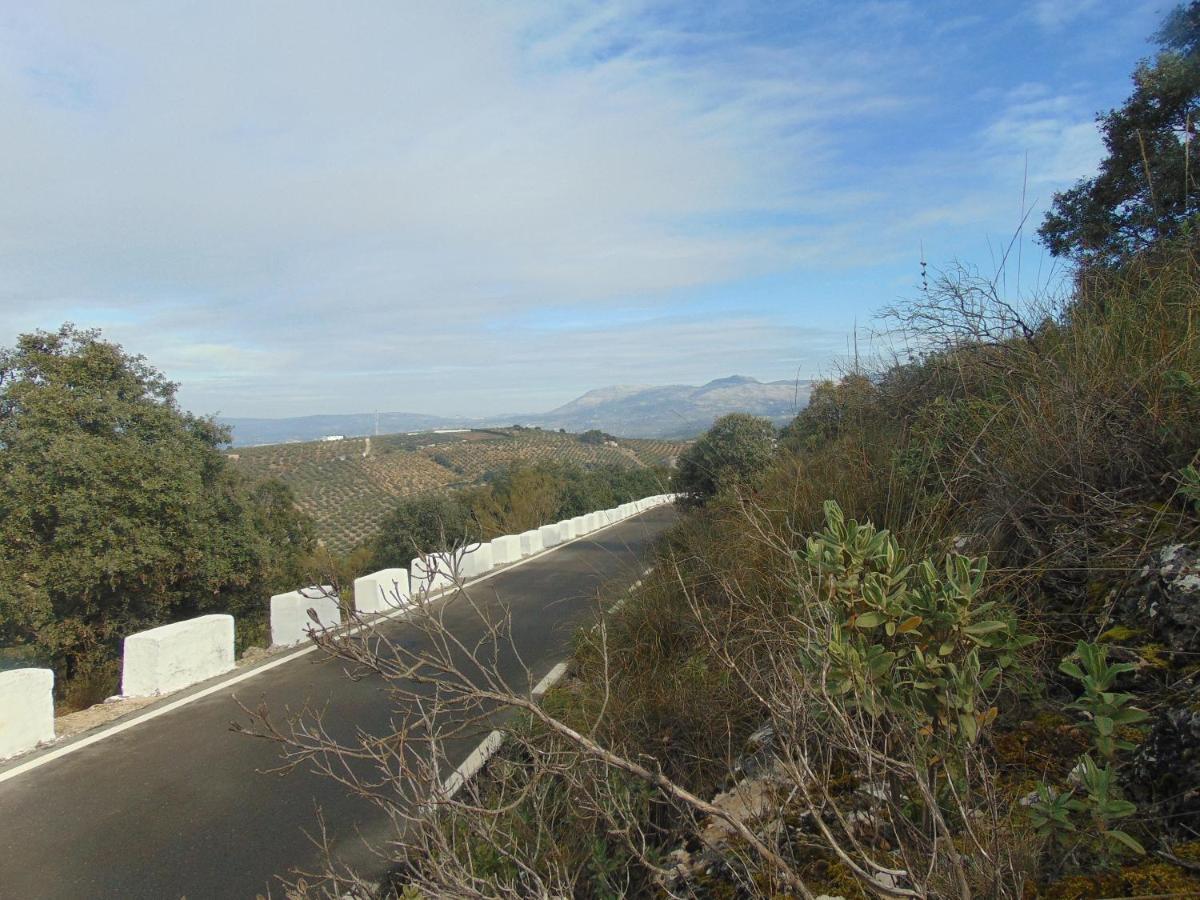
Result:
174,656
388,590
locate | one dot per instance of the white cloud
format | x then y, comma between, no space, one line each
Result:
288,205
237,154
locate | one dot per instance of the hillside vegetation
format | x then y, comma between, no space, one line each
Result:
349,490
940,640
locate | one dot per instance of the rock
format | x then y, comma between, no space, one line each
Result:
1165,770
1165,599
1029,799
750,801
253,654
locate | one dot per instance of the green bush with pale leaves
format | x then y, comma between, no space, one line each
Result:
905,638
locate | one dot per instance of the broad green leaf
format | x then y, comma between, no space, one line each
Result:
882,663
970,728
1128,840
989,627
1131,715
869,620
1071,669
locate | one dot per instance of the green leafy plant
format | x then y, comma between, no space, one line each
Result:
910,638
1106,710
1053,814
1103,804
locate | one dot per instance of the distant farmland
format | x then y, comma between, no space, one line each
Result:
348,486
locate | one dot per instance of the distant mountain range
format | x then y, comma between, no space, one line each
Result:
673,411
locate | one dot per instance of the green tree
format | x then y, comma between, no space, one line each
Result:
1145,190
735,449
423,524
594,436
118,511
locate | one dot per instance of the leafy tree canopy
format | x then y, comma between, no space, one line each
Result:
1146,187
736,448
423,524
117,510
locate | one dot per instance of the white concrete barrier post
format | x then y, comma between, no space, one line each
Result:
476,560
290,622
551,535
26,709
506,549
579,524
565,531
174,656
531,542
431,573
382,591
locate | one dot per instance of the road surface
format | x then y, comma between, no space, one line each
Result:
179,806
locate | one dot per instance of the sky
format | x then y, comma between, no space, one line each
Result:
455,208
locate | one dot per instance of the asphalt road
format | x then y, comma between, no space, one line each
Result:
179,806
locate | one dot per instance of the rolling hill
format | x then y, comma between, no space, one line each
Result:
349,485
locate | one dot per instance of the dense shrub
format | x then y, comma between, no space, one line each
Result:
737,448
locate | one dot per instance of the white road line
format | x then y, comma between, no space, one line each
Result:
470,766
109,731
487,748
549,680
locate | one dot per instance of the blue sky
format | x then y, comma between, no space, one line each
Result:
476,208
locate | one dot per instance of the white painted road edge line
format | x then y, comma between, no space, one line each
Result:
616,607
487,748
470,766
550,679
109,731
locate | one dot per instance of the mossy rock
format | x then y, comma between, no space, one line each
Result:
1151,877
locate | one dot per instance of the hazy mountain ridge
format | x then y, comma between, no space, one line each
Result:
666,411
677,410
